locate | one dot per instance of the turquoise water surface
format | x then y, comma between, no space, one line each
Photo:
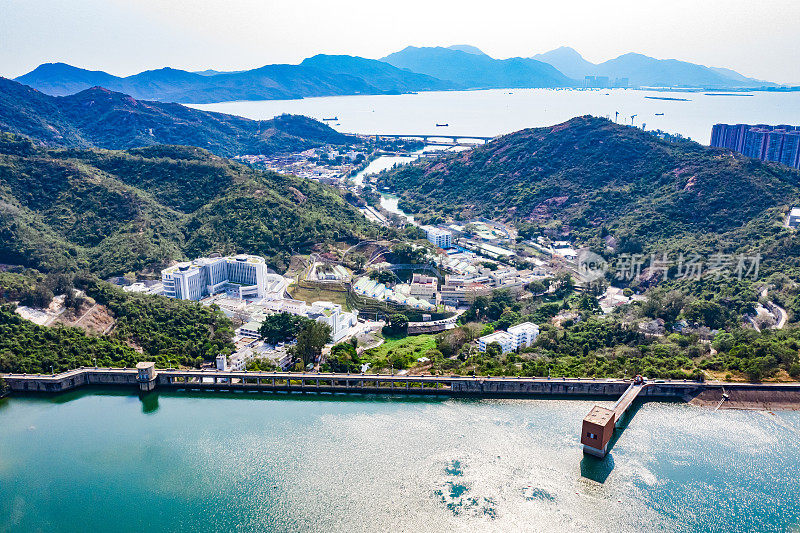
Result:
109,461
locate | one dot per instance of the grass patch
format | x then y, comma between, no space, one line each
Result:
402,352
310,295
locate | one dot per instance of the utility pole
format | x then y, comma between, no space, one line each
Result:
616,116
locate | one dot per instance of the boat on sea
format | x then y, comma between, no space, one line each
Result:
659,114
441,125
330,119
669,98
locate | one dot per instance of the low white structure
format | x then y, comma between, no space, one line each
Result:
519,336
251,329
794,218
400,294
332,314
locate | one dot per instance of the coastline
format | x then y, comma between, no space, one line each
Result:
752,400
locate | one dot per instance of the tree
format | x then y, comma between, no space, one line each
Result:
589,303
536,287
494,350
39,297
310,341
708,313
343,358
723,342
282,327
450,342
507,319
406,253
359,260
398,324
565,285
383,276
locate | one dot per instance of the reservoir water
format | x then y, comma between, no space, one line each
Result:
109,461
497,111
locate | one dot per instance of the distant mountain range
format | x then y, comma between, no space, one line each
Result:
412,69
101,118
472,69
644,71
321,75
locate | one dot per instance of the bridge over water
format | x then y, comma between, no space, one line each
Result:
436,139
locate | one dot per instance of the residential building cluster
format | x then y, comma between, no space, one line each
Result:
761,141
326,165
516,337
604,82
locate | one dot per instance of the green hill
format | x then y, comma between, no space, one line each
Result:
101,118
114,211
598,180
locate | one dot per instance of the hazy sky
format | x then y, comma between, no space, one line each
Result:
759,38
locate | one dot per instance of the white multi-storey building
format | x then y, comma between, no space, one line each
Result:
519,336
440,237
241,276
423,287
503,338
524,334
794,218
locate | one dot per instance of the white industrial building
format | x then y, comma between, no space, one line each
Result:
519,336
240,276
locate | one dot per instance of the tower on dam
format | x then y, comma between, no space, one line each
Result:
146,375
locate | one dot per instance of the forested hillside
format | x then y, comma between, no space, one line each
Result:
146,328
615,188
101,118
112,212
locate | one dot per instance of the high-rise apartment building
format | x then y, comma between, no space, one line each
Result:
768,143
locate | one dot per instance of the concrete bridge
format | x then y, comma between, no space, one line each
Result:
437,139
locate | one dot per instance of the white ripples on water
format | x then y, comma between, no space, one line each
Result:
335,463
